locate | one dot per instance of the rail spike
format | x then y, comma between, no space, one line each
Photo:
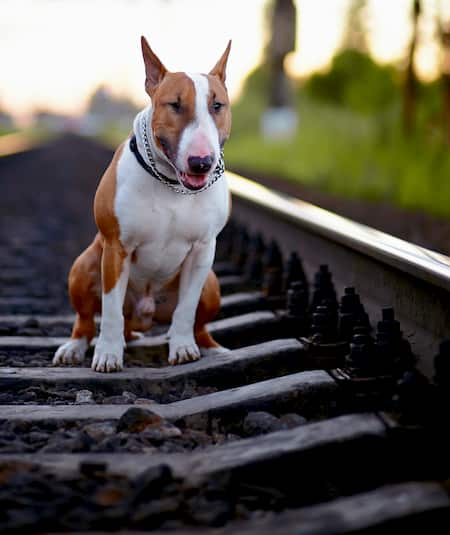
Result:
272,285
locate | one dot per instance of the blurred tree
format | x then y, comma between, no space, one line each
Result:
410,83
280,119
282,41
355,30
356,82
444,37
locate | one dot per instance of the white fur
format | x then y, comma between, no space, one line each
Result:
196,266
72,352
108,355
200,137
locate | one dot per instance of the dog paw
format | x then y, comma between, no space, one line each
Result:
72,352
107,358
213,351
183,349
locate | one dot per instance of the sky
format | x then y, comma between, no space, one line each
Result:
54,53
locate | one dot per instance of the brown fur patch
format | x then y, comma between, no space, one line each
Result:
108,225
220,67
168,297
105,216
84,279
154,69
167,123
208,307
84,327
218,92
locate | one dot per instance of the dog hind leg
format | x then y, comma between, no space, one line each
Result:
207,310
73,351
84,278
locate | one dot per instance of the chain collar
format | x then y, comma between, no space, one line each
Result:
173,184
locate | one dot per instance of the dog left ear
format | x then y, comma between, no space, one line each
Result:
154,69
220,67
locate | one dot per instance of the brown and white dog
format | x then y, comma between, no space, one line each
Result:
159,207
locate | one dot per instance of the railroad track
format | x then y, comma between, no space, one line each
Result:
327,416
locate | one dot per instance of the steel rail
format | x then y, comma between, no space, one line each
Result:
413,259
386,270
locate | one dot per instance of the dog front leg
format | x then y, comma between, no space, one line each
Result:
195,269
108,355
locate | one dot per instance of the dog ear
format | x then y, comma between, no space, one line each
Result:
221,65
154,69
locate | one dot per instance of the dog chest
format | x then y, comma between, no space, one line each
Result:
149,211
160,226
163,221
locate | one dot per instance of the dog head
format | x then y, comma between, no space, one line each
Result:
191,116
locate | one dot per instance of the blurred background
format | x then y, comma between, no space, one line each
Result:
342,102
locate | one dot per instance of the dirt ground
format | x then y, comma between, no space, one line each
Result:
416,227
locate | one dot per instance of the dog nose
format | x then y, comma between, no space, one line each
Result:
198,164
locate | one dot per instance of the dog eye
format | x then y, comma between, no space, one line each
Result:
217,106
176,106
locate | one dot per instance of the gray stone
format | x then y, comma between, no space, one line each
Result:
135,420
54,447
35,362
109,444
30,331
32,323
292,420
144,401
84,396
260,422
128,397
99,431
114,400
29,396
162,431
37,436
150,483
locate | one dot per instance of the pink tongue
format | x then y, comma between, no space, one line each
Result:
196,181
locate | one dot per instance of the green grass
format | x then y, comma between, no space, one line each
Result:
347,154
7,131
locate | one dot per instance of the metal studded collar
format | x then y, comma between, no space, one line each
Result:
150,165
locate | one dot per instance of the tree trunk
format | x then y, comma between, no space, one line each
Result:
410,86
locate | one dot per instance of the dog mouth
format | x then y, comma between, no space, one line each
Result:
194,181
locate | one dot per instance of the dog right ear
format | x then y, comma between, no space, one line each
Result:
154,69
221,65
